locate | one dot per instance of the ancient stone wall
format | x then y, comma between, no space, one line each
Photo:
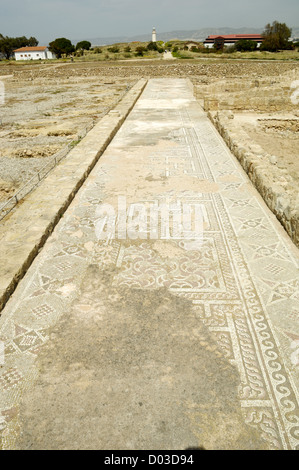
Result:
257,99
246,96
276,187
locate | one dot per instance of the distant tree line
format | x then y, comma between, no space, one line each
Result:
63,46
152,46
59,46
275,38
139,50
9,44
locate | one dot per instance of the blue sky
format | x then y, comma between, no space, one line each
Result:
79,19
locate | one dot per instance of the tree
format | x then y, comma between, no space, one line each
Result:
276,37
140,51
8,44
61,46
245,45
152,46
85,45
33,42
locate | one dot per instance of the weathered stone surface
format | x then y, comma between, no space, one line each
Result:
24,232
160,343
277,188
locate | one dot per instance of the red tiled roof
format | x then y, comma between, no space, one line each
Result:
31,49
236,36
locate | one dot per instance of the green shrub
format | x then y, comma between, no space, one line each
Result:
289,46
152,46
245,45
195,49
230,49
140,50
113,49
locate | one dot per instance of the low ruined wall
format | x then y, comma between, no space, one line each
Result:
25,230
277,190
247,95
267,101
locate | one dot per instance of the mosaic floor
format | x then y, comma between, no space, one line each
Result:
153,342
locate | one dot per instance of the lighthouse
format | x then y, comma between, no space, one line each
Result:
154,35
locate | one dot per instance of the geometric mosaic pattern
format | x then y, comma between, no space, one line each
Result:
243,281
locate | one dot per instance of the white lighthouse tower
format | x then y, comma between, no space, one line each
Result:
154,35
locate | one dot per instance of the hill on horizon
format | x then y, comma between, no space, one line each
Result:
196,35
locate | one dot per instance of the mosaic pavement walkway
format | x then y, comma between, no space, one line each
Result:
129,343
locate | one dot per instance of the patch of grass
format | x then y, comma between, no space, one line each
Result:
183,55
75,142
119,51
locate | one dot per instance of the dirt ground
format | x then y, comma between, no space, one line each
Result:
48,106
278,136
41,115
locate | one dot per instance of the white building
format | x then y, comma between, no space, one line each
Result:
33,53
154,35
231,39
